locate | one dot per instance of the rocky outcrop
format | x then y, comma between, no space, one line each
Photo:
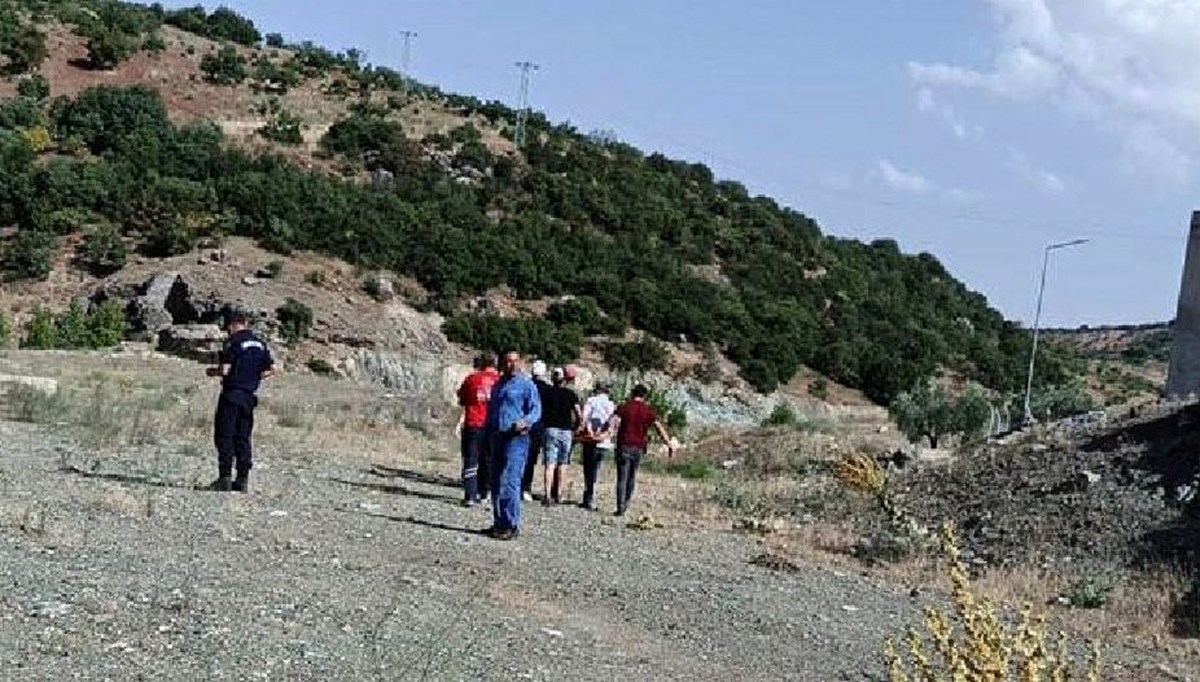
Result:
405,374
200,342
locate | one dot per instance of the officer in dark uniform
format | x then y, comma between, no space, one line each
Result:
244,362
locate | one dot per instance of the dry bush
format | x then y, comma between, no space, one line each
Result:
974,643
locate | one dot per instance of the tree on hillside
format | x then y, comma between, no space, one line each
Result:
929,411
226,67
22,47
109,47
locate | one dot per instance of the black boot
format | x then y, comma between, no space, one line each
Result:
221,485
241,484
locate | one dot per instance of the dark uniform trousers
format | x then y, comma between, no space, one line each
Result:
233,429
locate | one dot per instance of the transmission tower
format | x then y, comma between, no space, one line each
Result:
406,57
523,113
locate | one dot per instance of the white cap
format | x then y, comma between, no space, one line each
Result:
538,369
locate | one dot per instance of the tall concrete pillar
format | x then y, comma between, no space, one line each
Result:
1183,374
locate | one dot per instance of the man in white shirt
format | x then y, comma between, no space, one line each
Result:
596,438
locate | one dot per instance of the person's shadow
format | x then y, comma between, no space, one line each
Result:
398,490
383,471
430,524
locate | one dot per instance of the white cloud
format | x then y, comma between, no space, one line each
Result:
1128,66
897,179
929,104
909,182
1046,181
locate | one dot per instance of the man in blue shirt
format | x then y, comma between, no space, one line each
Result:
244,362
512,412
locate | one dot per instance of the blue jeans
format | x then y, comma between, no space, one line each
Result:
509,453
558,447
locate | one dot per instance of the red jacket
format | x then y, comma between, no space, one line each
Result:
474,394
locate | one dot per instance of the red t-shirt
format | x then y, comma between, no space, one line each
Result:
636,419
474,394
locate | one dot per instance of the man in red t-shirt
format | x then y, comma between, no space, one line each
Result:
473,396
632,422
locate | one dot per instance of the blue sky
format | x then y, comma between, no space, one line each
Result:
977,130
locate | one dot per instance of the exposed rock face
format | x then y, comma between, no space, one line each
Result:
200,342
403,373
166,300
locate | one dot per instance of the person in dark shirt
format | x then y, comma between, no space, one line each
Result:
561,415
632,422
537,435
244,362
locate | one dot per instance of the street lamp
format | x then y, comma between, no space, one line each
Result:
1037,318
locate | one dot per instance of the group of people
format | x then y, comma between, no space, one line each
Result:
510,419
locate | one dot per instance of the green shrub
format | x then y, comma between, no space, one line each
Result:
321,367
108,118
5,330
108,47
35,87
21,113
23,47
154,44
929,411
107,325
30,255
274,269
782,415
645,354
1088,593
222,24
672,415
295,321
583,312
819,389
692,470
77,327
282,126
42,334
103,251
275,40
226,67
1055,402
528,336
72,328
170,236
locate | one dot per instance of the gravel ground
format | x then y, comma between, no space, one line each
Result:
116,569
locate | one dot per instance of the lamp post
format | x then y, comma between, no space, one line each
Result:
1037,318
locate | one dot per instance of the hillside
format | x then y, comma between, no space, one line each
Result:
129,128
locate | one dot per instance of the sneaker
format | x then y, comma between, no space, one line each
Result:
545,501
528,497
588,506
221,485
470,503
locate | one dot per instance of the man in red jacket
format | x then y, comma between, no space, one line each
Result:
473,396
632,422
